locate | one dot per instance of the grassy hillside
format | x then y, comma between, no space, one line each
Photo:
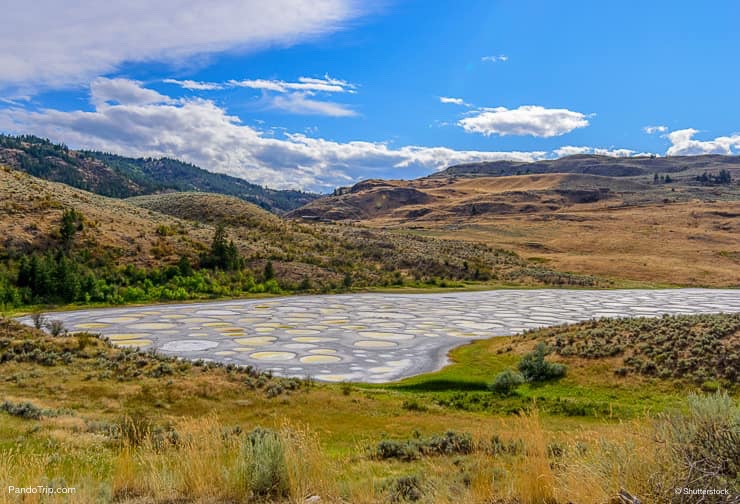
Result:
680,232
206,208
127,251
120,177
154,429
610,166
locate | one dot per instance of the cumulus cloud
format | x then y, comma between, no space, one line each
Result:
453,101
54,44
683,144
124,92
501,58
526,120
199,131
570,150
655,129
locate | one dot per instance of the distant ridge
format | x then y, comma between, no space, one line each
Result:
122,177
607,166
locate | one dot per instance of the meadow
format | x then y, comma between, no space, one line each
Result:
126,426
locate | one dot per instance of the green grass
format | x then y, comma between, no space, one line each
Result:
590,389
90,398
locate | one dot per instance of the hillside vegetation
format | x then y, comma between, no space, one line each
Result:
114,251
676,229
599,165
154,429
120,177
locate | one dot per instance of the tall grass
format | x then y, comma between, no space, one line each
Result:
514,460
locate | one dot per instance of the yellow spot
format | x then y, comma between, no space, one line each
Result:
126,336
118,320
319,359
386,335
324,351
152,326
333,377
312,339
272,355
374,344
380,369
91,325
135,343
256,341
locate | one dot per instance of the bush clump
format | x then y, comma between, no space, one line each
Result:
534,367
699,348
703,445
450,443
25,410
506,382
265,466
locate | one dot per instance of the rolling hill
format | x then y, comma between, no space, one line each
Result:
121,177
599,165
158,245
667,227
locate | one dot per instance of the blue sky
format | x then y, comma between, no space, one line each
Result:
323,93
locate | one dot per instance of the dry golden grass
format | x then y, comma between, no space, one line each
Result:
679,244
207,468
674,234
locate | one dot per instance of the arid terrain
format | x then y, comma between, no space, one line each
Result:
629,228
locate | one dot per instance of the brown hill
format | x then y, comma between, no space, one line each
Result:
140,232
681,232
598,165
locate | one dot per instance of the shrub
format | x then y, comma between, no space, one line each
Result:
506,381
25,410
704,443
266,469
534,367
450,443
404,489
39,321
56,327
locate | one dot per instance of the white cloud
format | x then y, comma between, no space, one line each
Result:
299,103
198,131
526,120
655,129
614,152
453,101
570,150
124,92
683,144
305,84
53,44
195,85
501,58
291,97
